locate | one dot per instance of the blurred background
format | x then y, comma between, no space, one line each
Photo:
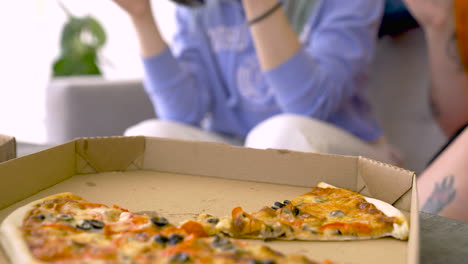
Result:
41,110
30,42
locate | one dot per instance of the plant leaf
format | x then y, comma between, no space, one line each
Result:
97,31
76,65
82,38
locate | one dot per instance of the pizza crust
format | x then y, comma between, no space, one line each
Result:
11,236
400,231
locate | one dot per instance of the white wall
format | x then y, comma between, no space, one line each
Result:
29,42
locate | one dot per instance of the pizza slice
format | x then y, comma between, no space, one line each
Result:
324,213
65,228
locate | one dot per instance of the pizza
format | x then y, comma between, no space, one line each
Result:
324,213
64,228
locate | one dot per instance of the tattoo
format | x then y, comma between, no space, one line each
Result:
441,196
452,51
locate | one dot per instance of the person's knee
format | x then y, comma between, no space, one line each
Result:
153,128
281,132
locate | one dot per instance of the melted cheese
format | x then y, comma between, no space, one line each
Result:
325,213
134,240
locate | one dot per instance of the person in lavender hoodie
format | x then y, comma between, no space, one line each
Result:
264,74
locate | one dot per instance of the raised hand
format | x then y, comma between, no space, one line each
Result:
151,41
433,14
135,8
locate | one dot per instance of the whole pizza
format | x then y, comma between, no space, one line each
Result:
65,228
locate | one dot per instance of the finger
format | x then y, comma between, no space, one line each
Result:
451,180
452,195
444,183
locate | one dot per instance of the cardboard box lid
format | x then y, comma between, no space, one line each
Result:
7,148
135,156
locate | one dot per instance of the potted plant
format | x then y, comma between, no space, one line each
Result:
81,41
78,65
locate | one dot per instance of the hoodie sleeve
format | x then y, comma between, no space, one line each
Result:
322,75
175,80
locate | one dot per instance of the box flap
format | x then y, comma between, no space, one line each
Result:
385,182
240,163
413,254
95,155
25,176
7,148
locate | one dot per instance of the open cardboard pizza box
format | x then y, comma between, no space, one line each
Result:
181,179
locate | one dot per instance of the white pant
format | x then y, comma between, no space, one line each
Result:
283,131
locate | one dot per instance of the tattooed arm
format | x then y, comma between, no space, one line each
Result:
443,186
449,82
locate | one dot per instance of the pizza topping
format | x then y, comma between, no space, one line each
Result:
320,199
267,211
85,225
194,228
287,202
160,239
386,219
295,211
180,257
337,213
61,227
40,217
222,243
65,217
347,228
213,220
364,205
279,205
159,221
272,231
97,224
175,239
265,261
307,228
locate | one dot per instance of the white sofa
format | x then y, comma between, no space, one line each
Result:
87,107
92,107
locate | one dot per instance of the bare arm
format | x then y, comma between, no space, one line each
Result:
275,40
443,186
151,41
449,82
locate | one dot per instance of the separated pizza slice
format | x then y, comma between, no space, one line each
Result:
324,213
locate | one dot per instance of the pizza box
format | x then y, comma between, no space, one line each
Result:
181,179
7,148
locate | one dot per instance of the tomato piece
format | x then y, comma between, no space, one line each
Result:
348,227
192,227
238,212
120,208
63,227
92,205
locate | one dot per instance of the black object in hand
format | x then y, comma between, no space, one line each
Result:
191,3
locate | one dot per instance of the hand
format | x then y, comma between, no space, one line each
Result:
432,14
135,8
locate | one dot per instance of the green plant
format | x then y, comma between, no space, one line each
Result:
82,39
